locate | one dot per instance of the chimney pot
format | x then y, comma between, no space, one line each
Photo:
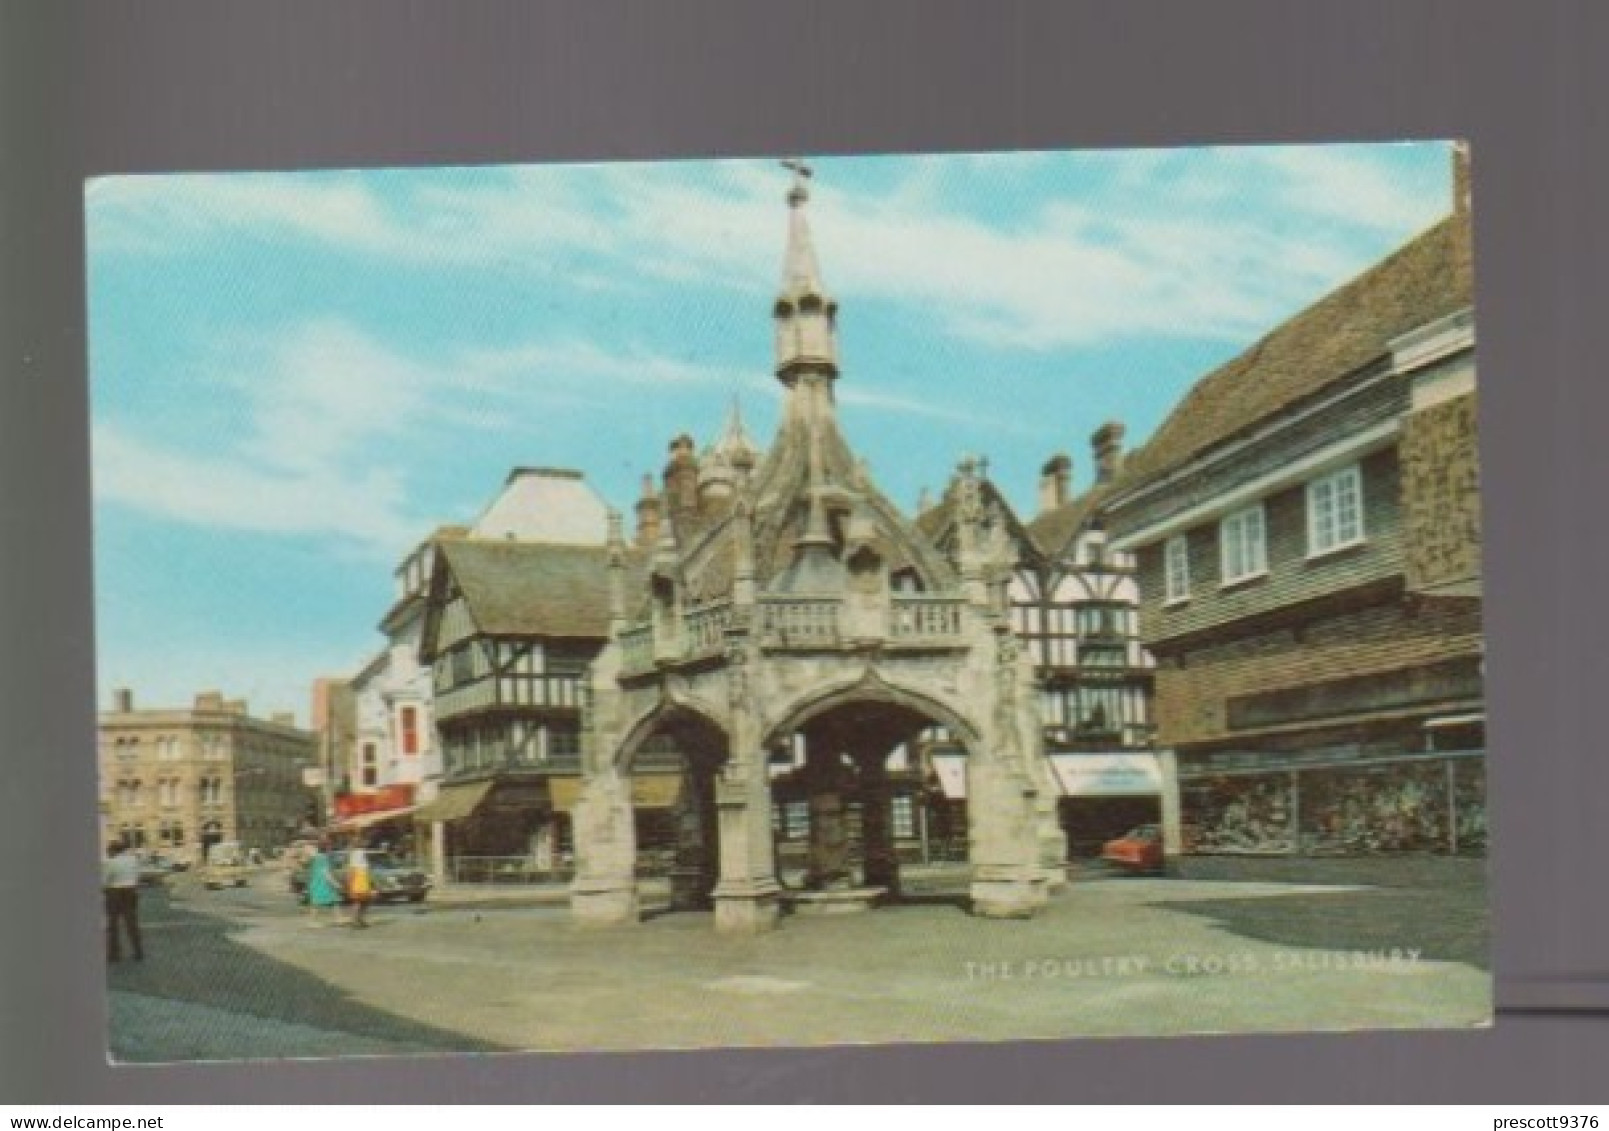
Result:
1055,482
1108,445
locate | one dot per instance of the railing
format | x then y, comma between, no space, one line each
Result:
652,863
482,693
540,691
705,629
510,691
793,622
505,870
637,648
925,618
800,621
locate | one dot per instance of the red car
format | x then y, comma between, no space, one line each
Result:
1138,850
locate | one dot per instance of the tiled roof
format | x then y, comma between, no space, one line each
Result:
1428,278
534,588
1055,528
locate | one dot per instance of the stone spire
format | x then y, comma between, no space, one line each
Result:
729,459
806,315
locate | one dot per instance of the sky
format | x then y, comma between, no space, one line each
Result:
297,376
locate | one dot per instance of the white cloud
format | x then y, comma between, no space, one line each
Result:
1349,185
1170,243
332,423
235,493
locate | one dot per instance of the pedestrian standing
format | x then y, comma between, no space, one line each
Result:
120,887
359,886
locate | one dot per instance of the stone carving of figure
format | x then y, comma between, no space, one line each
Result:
1005,694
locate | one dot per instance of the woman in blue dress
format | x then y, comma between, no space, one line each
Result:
322,889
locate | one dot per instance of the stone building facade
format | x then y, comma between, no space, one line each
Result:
794,607
176,780
1306,527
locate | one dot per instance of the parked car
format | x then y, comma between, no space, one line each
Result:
1139,850
393,880
225,867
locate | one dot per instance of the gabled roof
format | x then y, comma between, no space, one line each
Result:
1056,528
533,588
1352,326
937,522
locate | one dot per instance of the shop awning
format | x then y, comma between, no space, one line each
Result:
368,820
454,802
1107,775
648,791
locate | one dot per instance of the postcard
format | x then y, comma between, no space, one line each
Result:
788,601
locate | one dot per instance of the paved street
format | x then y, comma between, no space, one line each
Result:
1231,946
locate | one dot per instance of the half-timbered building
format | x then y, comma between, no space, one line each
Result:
1074,606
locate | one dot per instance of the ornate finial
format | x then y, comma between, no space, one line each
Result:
799,191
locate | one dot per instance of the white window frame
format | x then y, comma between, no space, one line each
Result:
1330,488
1234,541
1176,569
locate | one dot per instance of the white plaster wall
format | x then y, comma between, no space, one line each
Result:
541,506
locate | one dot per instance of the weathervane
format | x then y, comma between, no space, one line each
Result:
799,192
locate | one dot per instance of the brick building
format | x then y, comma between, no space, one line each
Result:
176,780
1306,528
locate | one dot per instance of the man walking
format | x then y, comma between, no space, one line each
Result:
120,882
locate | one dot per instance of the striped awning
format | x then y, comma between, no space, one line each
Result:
454,802
648,791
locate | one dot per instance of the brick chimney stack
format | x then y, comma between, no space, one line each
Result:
681,476
648,515
122,700
1055,482
1108,445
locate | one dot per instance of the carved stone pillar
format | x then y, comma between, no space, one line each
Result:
1005,796
1008,878
695,871
877,827
604,892
747,896
827,866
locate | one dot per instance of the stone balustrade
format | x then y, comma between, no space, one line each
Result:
811,622
793,622
637,648
923,617
704,629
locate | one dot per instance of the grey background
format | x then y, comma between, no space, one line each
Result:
161,86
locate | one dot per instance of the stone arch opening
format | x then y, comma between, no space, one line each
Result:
852,803
676,830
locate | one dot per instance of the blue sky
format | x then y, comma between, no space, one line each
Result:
295,376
